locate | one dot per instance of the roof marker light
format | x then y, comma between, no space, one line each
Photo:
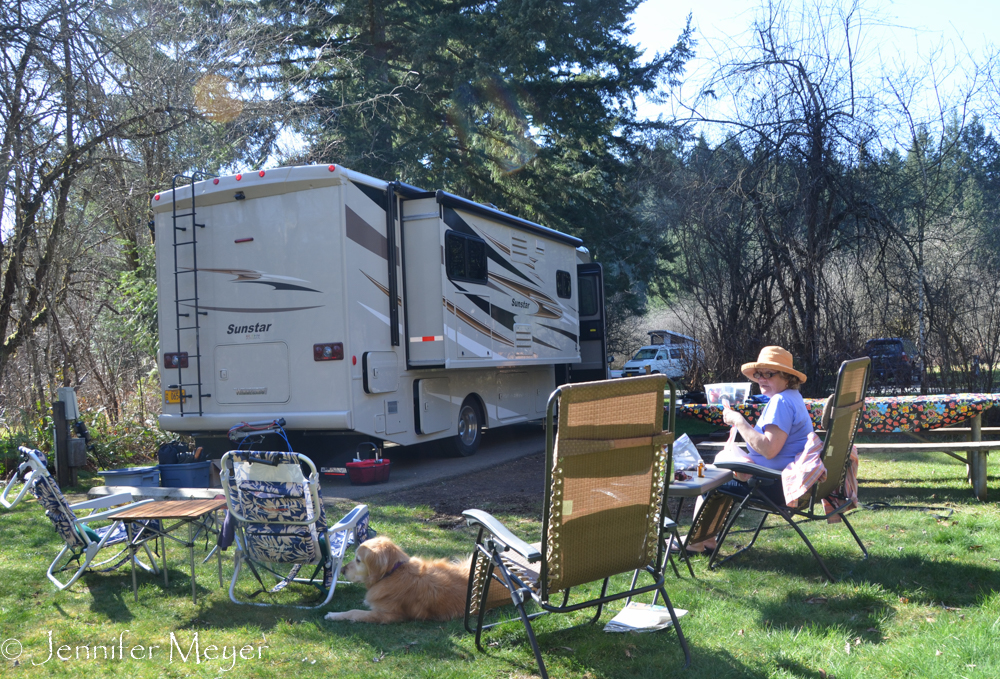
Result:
332,168
156,197
215,181
239,177
261,173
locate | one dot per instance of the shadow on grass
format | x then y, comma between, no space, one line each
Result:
911,577
859,615
916,491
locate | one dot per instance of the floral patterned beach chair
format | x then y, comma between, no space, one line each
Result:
31,461
84,542
280,523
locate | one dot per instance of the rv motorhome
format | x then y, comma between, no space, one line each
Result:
348,305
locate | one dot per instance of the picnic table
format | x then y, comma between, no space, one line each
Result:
882,414
908,415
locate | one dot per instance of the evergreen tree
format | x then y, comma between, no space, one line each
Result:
529,106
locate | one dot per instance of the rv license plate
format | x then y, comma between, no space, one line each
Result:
174,395
333,471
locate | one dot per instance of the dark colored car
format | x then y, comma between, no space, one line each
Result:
894,359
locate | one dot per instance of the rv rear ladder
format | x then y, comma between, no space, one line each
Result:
189,302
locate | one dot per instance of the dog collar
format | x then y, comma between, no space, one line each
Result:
393,570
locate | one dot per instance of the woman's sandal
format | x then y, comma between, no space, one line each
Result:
675,549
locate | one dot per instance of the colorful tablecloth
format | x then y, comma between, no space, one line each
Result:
882,414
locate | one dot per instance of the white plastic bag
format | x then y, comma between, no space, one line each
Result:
686,455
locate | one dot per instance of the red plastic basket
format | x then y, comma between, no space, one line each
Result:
361,472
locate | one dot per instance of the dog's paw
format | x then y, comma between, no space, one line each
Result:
336,616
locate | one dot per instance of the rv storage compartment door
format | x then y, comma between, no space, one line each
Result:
251,373
434,409
422,273
381,371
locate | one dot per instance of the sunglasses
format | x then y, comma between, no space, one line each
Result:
767,375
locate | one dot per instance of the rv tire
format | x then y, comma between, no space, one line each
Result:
470,431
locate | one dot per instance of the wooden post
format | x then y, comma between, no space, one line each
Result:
64,476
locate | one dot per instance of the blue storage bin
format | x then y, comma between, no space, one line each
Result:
191,475
132,476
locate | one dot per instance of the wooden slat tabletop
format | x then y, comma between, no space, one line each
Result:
171,509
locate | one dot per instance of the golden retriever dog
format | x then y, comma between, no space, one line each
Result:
401,587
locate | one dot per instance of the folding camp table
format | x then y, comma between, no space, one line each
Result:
193,513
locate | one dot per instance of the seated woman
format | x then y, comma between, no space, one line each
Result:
781,431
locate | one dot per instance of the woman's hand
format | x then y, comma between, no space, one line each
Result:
731,417
767,444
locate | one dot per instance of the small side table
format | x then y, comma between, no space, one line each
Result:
190,512
697,486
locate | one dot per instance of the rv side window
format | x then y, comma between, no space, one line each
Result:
465,257
564,284
476,251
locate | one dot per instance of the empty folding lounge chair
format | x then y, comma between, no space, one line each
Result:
31,461
280,523
604,499
840,419
84,542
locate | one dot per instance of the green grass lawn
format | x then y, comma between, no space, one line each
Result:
925,604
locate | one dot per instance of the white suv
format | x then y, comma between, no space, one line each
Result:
670,360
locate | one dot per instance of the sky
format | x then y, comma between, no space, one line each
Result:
911,29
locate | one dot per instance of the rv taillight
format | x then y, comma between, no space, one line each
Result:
261,173
175,360
328,352
332,168
239,177
215,181
156,197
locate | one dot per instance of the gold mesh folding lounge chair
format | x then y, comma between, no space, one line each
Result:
84,540
840,419
604,471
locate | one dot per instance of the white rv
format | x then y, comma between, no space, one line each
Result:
350,305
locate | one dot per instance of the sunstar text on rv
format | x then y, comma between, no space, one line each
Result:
348,305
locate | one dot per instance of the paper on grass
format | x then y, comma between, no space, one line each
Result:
636,617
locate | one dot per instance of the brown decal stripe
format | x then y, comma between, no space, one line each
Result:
240,310
381,287
523,289
560,331
547,312
261,277
475,324
365,235
544,344
500,246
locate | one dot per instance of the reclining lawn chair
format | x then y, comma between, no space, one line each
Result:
604,472
840,420
83,542
31,461
280,523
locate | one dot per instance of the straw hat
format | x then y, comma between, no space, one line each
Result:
774,358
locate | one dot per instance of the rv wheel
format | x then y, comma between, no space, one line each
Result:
470,431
